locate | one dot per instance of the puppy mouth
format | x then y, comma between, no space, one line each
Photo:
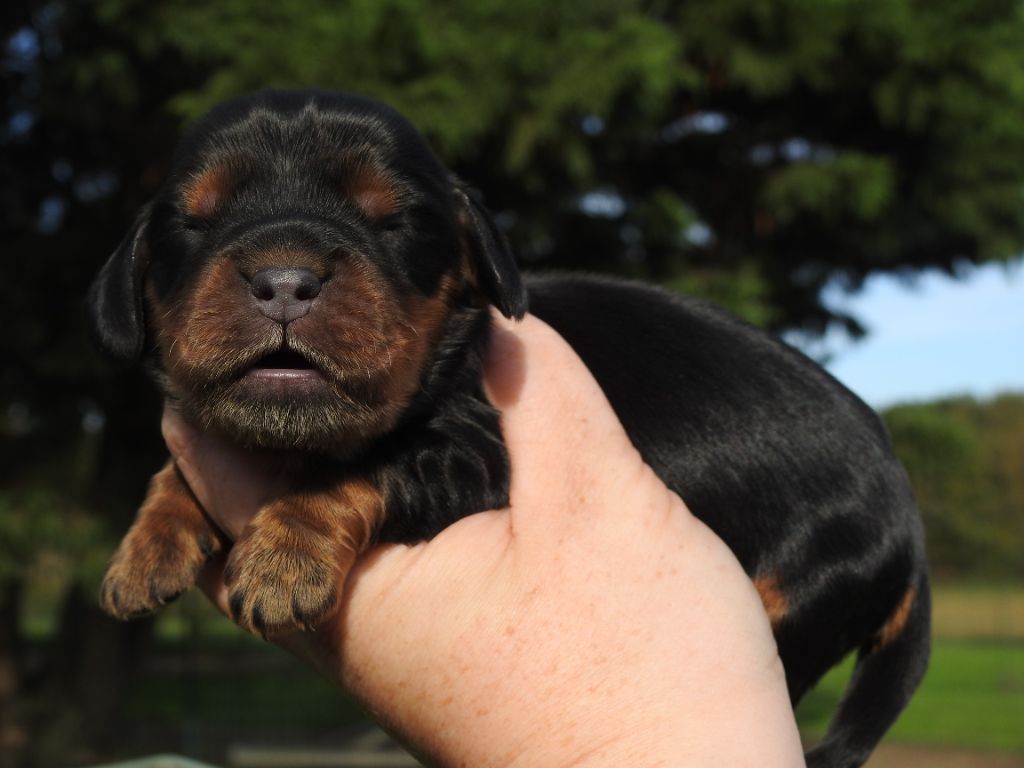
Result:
283,372
284,364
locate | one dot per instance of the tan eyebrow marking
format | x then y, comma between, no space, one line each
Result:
374,191
205,193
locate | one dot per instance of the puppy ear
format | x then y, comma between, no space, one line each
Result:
114,301
497,274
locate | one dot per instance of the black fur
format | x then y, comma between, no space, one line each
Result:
793,471
115,298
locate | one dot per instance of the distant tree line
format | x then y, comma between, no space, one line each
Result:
966,463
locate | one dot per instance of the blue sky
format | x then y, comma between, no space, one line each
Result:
934,337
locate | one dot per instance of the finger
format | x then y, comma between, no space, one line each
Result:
211,581
185,445
230,483
567,444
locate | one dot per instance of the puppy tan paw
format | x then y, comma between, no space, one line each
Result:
162,552
149,571
282,577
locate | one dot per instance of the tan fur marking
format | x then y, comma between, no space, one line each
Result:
897,620
206,191
214,329
364,512
425,318
373,192
775,603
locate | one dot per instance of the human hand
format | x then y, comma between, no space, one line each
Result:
595,622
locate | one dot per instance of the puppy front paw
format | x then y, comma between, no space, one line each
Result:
163,551
282,575
152,568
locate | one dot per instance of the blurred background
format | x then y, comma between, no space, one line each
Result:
847,173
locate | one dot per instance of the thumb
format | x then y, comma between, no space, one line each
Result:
566,443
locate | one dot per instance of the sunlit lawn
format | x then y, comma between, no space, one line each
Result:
973,694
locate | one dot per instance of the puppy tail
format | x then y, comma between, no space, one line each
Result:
888,671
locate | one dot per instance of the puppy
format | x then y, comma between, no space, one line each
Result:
311,281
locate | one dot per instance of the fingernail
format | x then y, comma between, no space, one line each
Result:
504,367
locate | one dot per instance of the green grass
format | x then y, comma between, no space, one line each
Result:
972,697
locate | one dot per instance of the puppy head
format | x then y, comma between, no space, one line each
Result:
297,269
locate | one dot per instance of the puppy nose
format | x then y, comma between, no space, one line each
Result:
285,293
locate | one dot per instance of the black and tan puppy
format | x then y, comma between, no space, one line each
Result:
310,280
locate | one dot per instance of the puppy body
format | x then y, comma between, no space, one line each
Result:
764,446
311,281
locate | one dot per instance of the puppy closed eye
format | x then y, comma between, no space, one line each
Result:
391,223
